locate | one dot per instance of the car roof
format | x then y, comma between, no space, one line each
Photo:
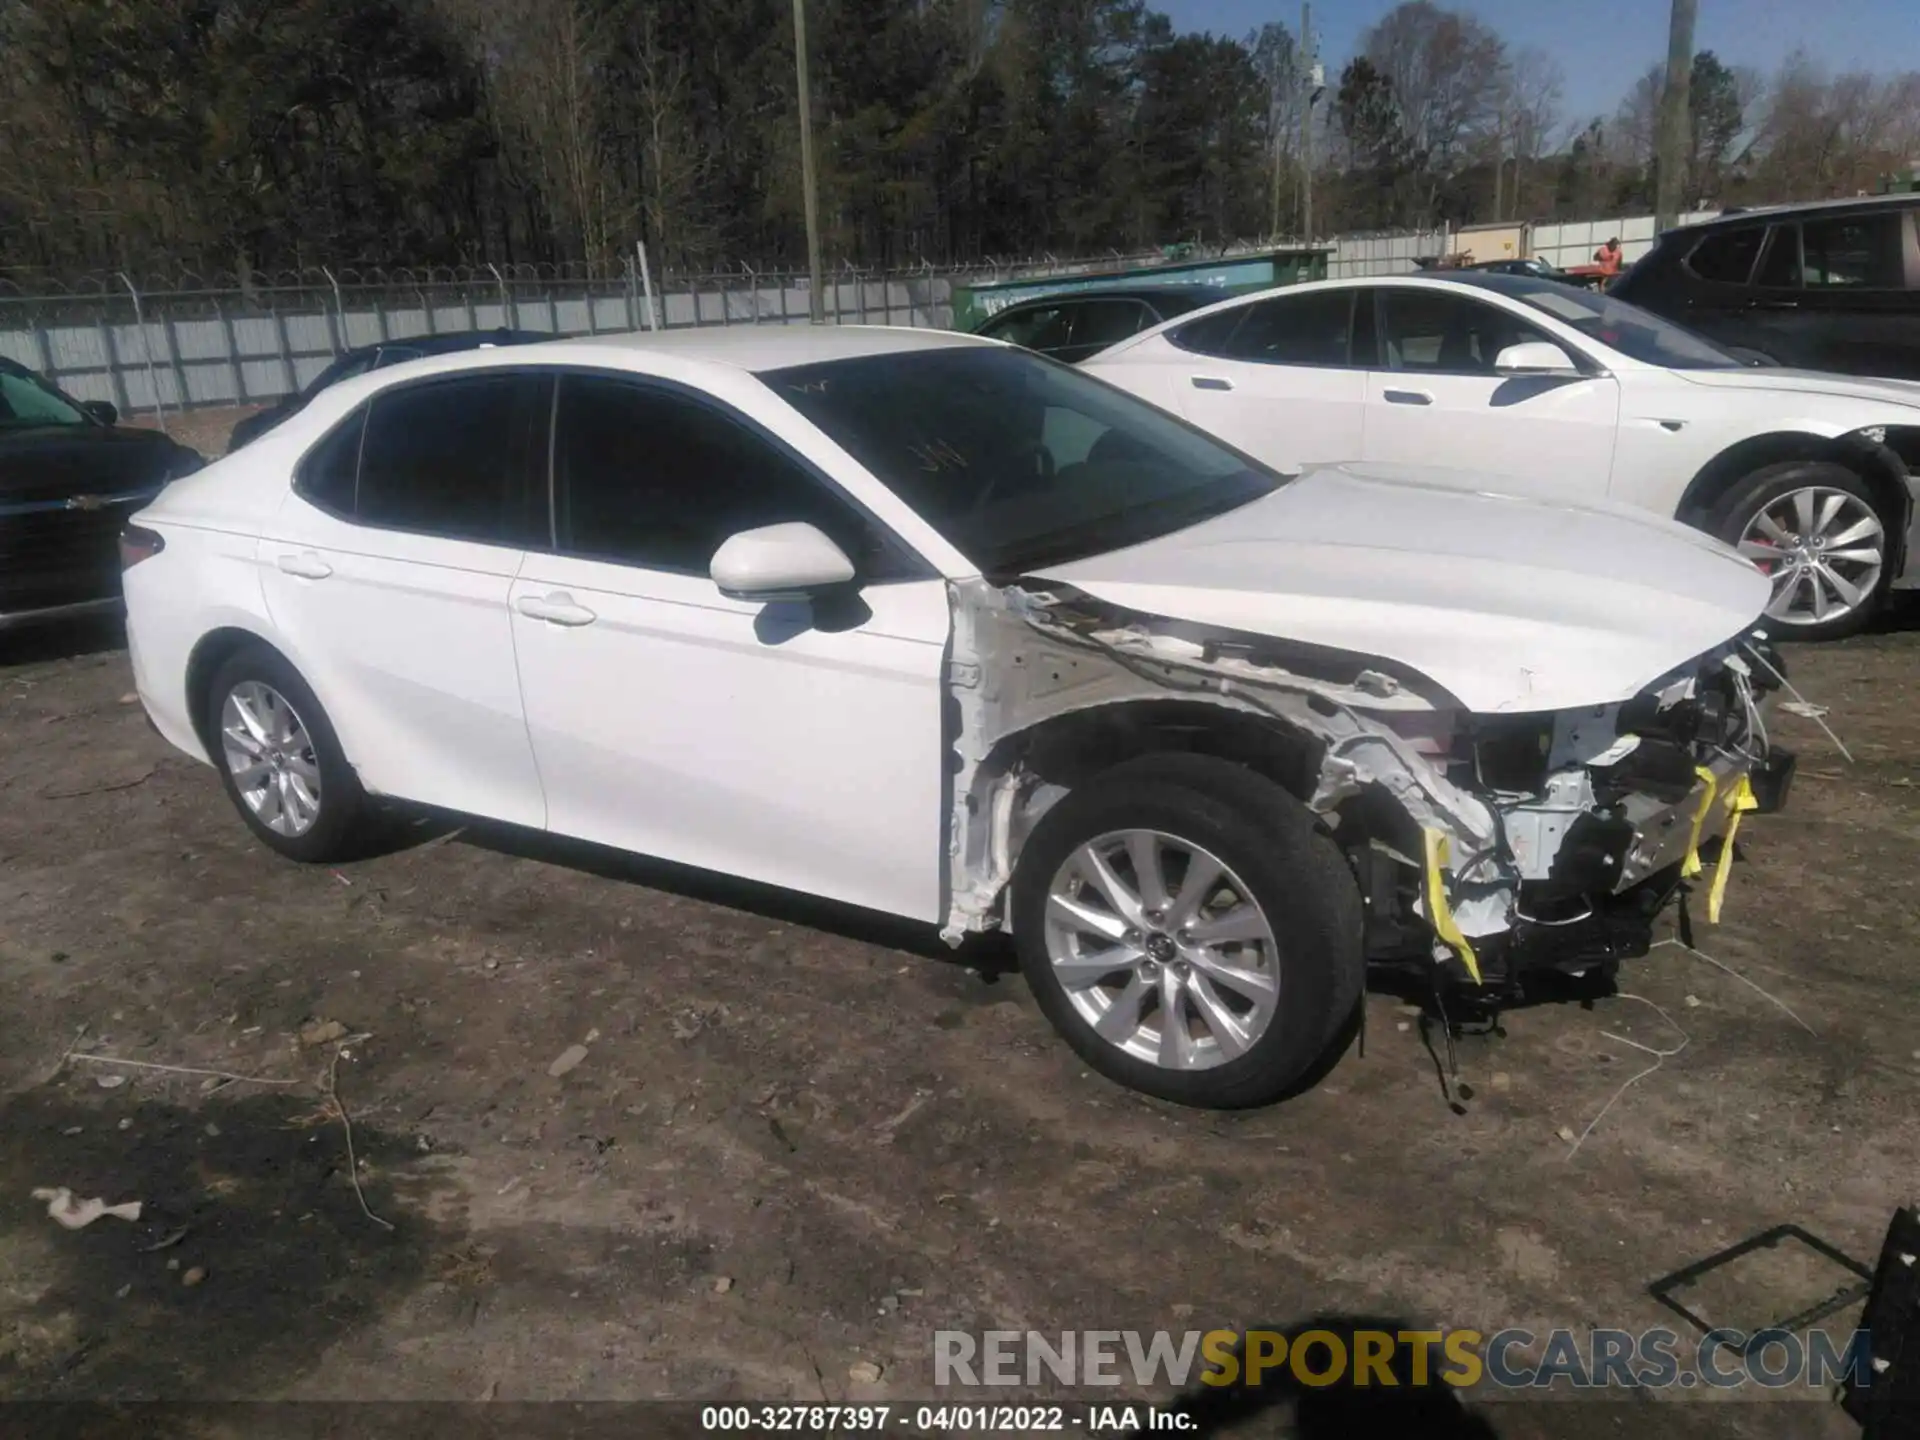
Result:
448,342
1809,207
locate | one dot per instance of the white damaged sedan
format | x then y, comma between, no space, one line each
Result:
929,625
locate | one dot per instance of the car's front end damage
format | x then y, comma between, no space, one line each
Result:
1487,844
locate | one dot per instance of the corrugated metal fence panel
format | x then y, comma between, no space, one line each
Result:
1358,255
1574,243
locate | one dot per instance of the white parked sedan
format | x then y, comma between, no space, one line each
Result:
927,624
1567,393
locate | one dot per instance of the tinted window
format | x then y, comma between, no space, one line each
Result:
328,473
1210,334
1780,270
25,402
1310,329
1044,328
645,475
1447,333
1100,323
398,354
1727,256
449,458
1855,252
1020,462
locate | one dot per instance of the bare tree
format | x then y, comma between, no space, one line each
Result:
1447,73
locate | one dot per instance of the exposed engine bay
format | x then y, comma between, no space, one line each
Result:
1484,844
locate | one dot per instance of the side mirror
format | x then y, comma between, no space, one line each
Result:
102,410
1535,357
779,563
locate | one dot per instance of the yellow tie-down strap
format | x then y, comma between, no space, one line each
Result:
1439,913
1691,866
1741,801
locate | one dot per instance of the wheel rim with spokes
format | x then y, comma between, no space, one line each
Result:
1161,950
271,758
1822,548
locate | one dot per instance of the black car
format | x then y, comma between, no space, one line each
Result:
1833,286
70,475
373,357
1532,265
1074,326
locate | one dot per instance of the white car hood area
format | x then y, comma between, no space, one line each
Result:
1511,604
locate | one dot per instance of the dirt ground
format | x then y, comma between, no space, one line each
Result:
800,1140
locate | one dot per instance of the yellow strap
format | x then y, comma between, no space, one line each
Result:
1438,911
1743,800
1691,866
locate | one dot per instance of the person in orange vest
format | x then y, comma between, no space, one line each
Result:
1607,257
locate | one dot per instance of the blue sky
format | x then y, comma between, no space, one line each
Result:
1605,46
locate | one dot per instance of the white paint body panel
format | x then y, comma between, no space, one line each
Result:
732,736
1510,603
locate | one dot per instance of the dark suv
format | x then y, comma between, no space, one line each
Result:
1832,286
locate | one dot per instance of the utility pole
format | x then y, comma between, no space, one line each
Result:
816,288
1670,155
1306,121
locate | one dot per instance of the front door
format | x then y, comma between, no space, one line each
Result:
785,743
1436,400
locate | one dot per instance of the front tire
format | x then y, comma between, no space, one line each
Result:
1813,527
1189,931
279,760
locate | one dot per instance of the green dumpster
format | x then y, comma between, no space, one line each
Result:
973,305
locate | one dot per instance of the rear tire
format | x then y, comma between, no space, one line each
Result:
1806,524
279,760
1283,910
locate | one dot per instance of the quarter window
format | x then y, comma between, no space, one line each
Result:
331,469
449,458
647,476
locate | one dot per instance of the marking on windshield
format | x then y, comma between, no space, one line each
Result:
810,387
936,456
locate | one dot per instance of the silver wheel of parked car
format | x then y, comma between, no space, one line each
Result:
271,758
1823,548
1161,950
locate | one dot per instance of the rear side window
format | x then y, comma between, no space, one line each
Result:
1780,267
1311,329
1726,256
1101,323
1852,252
1040,329
449,458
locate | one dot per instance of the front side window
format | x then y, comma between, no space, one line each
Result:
450,457
26,403
1016,460
1100,323
649,476
1726,256
1852,252
1447,334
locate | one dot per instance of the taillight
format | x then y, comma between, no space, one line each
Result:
138,543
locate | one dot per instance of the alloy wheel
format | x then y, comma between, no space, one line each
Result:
271,758
1823,549
1161,950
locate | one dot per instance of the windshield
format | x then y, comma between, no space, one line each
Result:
27,401
1636,333
1016,460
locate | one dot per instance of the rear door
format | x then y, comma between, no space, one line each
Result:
388,572
1837,292
1436,398
1281,378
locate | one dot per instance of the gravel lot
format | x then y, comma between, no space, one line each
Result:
801,1140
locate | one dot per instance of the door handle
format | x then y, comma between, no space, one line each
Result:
306,565
1211,382
557,609
1408,397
